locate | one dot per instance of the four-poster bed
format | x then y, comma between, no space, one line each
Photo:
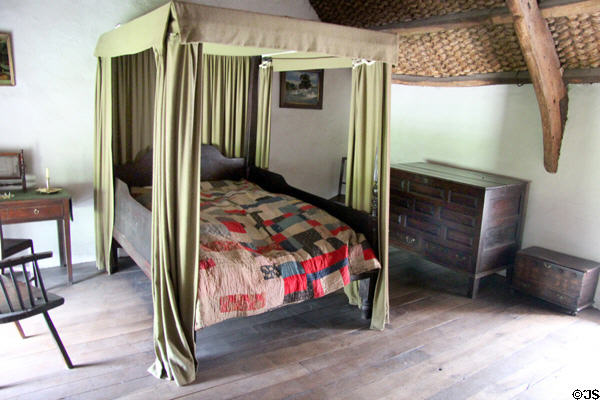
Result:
178,34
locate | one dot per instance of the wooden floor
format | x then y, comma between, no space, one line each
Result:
440,345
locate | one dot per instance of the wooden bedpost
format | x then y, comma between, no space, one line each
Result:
251,117
366,291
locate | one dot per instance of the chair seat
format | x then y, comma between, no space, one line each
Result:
10,247
28,310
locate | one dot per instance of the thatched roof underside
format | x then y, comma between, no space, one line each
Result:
487,47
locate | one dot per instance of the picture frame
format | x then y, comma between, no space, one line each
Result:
301,89
7,69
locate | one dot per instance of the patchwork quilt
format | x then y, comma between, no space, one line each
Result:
260,250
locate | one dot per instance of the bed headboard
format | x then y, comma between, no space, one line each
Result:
214,167
137,172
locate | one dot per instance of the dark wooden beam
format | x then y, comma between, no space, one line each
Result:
252,111
591,75
499,15
543,64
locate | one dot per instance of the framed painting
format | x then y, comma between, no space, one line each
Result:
301,89
7,70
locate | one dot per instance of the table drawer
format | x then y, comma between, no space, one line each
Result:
400,237
32,213
447,256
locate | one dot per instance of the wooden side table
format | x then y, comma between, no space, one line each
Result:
31,206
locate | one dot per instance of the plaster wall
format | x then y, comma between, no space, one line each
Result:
50,111
498,129
307,146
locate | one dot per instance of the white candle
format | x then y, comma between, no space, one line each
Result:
47,173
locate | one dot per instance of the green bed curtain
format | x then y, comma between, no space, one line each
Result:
225,102
133,87
176,209
263,118
368,158
103,164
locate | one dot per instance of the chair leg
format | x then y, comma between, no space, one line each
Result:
20,329
62,349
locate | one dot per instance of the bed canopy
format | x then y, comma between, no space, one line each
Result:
176,35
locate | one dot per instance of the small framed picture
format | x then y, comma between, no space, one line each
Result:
301,89
7,69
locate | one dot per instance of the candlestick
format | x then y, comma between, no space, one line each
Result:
47,173
47,178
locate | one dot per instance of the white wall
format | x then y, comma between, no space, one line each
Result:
498,129
50,112
307,146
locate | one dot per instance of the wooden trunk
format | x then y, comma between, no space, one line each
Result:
567,281
468,221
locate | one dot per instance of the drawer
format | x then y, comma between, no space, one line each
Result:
547,275
543,292
32,213
447,256
404,239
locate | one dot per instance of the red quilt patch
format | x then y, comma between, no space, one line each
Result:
233,226
240,212
340,229
318,289
278,238
295,283
206,264
323,261
219,245
242,302
345,271
369,254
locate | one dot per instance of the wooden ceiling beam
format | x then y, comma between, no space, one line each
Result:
544,68
549,9
591,75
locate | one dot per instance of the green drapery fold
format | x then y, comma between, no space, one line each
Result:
225,102
263,118
176,209
103,165
133,86
368,156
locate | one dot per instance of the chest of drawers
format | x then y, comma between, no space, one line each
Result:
567,281
468,221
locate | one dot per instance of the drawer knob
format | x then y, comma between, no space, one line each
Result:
36,211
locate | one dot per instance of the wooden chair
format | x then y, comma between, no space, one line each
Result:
10,247
341,197
23,300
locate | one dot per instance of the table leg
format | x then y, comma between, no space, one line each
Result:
64,237
61,242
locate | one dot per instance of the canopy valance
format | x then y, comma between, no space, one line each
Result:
198,23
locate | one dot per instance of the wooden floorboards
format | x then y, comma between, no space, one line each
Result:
439,345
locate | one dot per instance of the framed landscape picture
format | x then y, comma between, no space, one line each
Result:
301,89
7,71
